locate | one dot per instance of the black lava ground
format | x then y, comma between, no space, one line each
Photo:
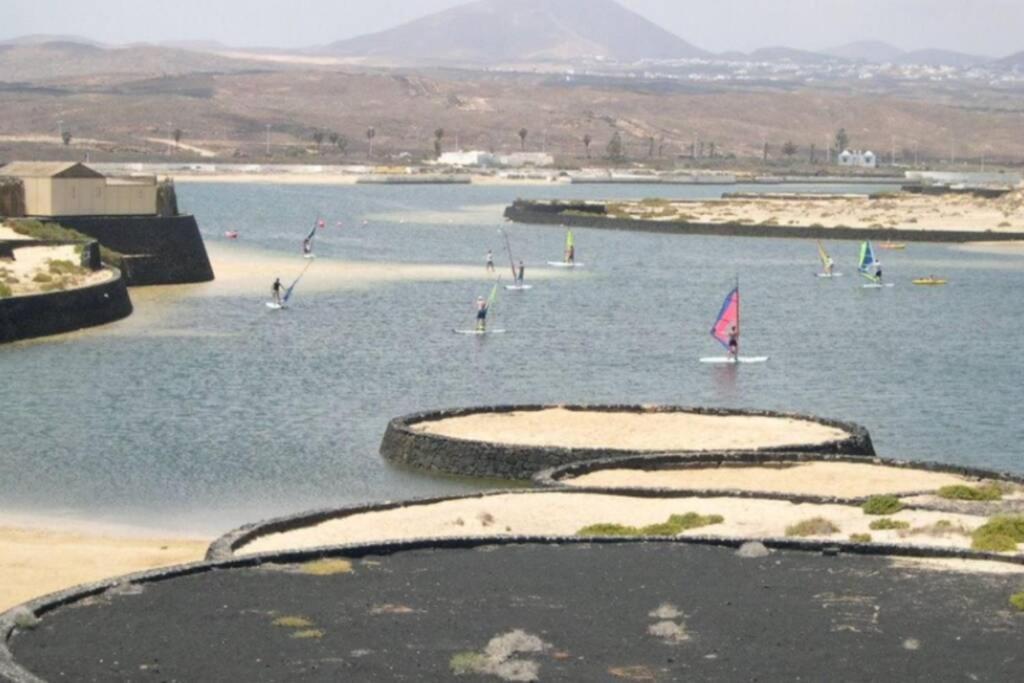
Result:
413,615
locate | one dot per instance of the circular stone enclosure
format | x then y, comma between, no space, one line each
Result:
517,442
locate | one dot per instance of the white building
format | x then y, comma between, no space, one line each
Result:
471,158
522,159
858,159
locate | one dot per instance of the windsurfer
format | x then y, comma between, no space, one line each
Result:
490,261
481,314
521,273
734,342
829,265
276,291
307,247
878,274
570,254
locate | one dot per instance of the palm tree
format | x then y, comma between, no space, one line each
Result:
66,137
342,144
522,138
586,143
842,141
371,133
438,136
318,138
790,148
177,136
615,148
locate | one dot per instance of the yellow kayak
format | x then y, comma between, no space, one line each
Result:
929,281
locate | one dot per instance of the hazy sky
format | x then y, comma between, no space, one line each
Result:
982,26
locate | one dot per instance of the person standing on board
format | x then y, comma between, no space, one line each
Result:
734,343
521,273
878,274
307,247
490,261
276,291
829,265
481,314
570,254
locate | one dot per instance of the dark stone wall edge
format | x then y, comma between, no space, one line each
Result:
159,250
522,211
41,315
402,445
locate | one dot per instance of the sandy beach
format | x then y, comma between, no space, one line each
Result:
564,514
632,431
836,479
906,211
44,557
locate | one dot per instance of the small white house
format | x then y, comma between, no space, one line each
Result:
471,158
857,158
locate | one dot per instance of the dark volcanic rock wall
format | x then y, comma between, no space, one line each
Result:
159,250
39,315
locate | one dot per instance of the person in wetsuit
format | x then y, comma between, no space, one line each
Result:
490,261
276,290
481,314
734,342
878,274
521,274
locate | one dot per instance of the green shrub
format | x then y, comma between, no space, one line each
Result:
51,232
62,267
986,492
42,278
860,538
816,526
999,534
888,525
675,525
691,520
882,505
5,291
1018,601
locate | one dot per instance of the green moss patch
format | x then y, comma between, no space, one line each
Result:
466,663
293,622
985,492
882,505
675,525
1018,601
310,633
888,525
816,526
326,567
5,290
860,538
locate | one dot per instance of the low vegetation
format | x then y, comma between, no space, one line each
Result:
51,232
882,505
860,538
984,492
5,290
675,525
293,622
815,526
1000,534
889,525
1017,601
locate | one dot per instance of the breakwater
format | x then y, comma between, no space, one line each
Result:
594,215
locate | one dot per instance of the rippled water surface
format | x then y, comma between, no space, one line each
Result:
205,410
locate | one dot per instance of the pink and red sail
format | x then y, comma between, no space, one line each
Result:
728,318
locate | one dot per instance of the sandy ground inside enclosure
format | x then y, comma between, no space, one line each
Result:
563,514
22,274
838,479
38,560
905,211
632,431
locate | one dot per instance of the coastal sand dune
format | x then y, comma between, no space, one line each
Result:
564,514
837,479
654,431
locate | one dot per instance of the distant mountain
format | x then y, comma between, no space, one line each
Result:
42,38
57,60
788,54
1014,60
935,57
867,51
495,31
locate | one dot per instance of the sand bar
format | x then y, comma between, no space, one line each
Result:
836,479
564,514
654,431
35,561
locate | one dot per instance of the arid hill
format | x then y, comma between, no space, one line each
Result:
494,31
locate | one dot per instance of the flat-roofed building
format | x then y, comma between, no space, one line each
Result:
54,189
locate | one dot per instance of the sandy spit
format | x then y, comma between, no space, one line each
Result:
632,431
551,513
36,561
838,479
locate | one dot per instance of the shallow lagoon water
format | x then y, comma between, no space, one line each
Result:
205,410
